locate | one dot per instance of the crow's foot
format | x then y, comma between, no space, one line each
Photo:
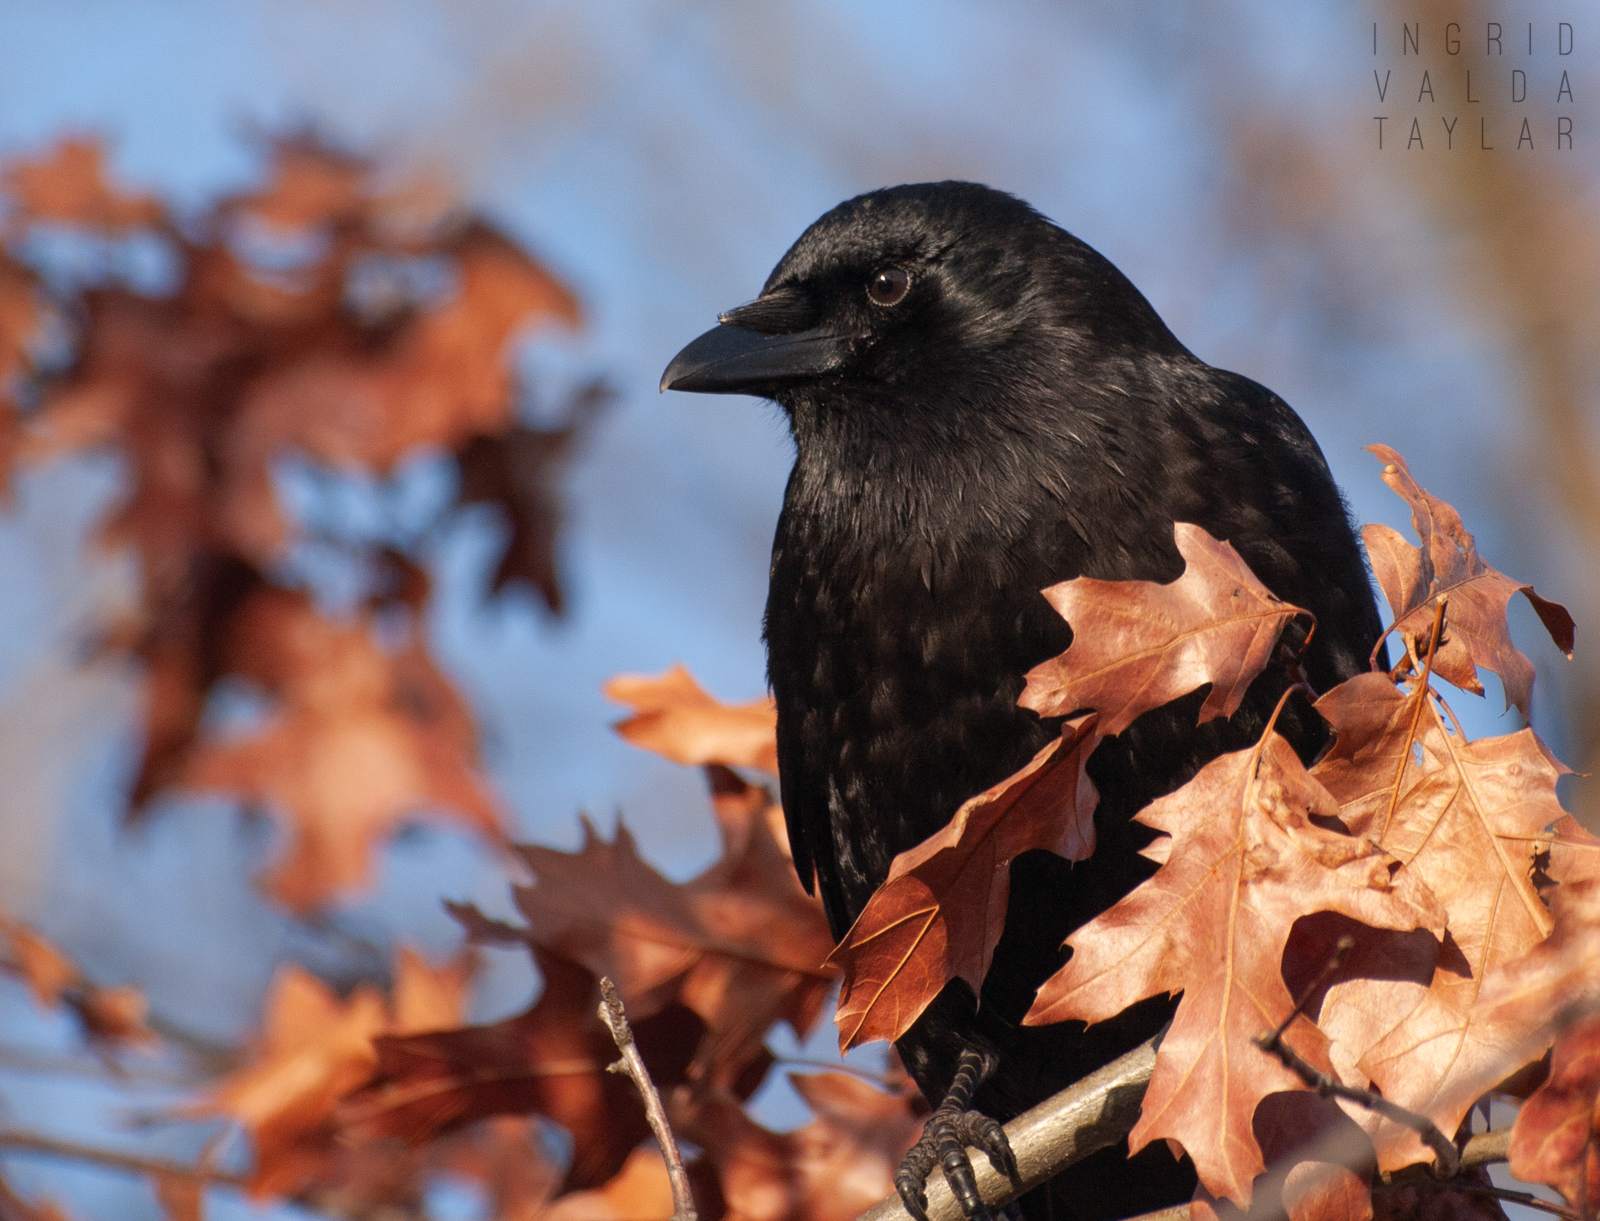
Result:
945,1138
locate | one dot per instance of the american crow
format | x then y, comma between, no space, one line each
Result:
983,406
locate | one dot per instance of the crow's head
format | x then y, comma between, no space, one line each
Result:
946,292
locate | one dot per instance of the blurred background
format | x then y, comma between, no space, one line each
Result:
656,158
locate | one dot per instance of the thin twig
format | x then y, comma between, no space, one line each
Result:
1447,1156
632,1064
28,1142
1341,949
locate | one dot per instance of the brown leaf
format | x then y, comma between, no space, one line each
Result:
640,1191
19,323
675,718
310,186
508,1155
1137,645
1556,978
182,1196
68,186
519,470
427,997
116,1014
445,376
1554,1139
831,1170
1448,566
315,1048
47,971
1466,819
1245,861
1308,1144
550,1059
939,914
742,945
364,740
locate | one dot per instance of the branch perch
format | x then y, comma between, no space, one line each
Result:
1082,1119
632,1065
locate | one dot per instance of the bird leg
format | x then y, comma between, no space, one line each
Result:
945,1138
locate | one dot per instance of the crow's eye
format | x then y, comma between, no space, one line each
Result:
889,287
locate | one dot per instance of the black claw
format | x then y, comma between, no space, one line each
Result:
945,1138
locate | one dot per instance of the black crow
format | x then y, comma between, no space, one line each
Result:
983,406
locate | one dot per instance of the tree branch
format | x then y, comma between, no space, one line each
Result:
1482,1150
1082,1119
28,1142
1098,1112
632,1064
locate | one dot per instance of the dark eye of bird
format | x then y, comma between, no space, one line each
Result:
889,287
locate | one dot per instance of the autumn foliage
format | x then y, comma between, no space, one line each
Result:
344,319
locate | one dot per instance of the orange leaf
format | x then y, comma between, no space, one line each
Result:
47,970
1467,819
833,1169
68,186
427,997
550,1059
640,1191
1554,1139
315,1048
1245,862
364,740
940,912
741,945
1137,645
1448,566
675,718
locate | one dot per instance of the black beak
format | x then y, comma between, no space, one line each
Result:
732,360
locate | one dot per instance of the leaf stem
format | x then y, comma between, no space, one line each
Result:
632,1065
1416,717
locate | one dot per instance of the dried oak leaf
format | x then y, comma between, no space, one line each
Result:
1137,645
363,739
742,945
674,717
1448,565
309,186
1553,982
19,322
68,186
833,1169
115,1014
549,1060
518,469
428,997
1466,819
315,1048
1244,861
939,914
509,1157
181,1196
640,1191
1308,1144
1556,1137
445,376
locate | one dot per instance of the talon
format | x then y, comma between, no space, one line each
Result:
944,1143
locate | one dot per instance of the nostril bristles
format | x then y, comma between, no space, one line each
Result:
779,312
